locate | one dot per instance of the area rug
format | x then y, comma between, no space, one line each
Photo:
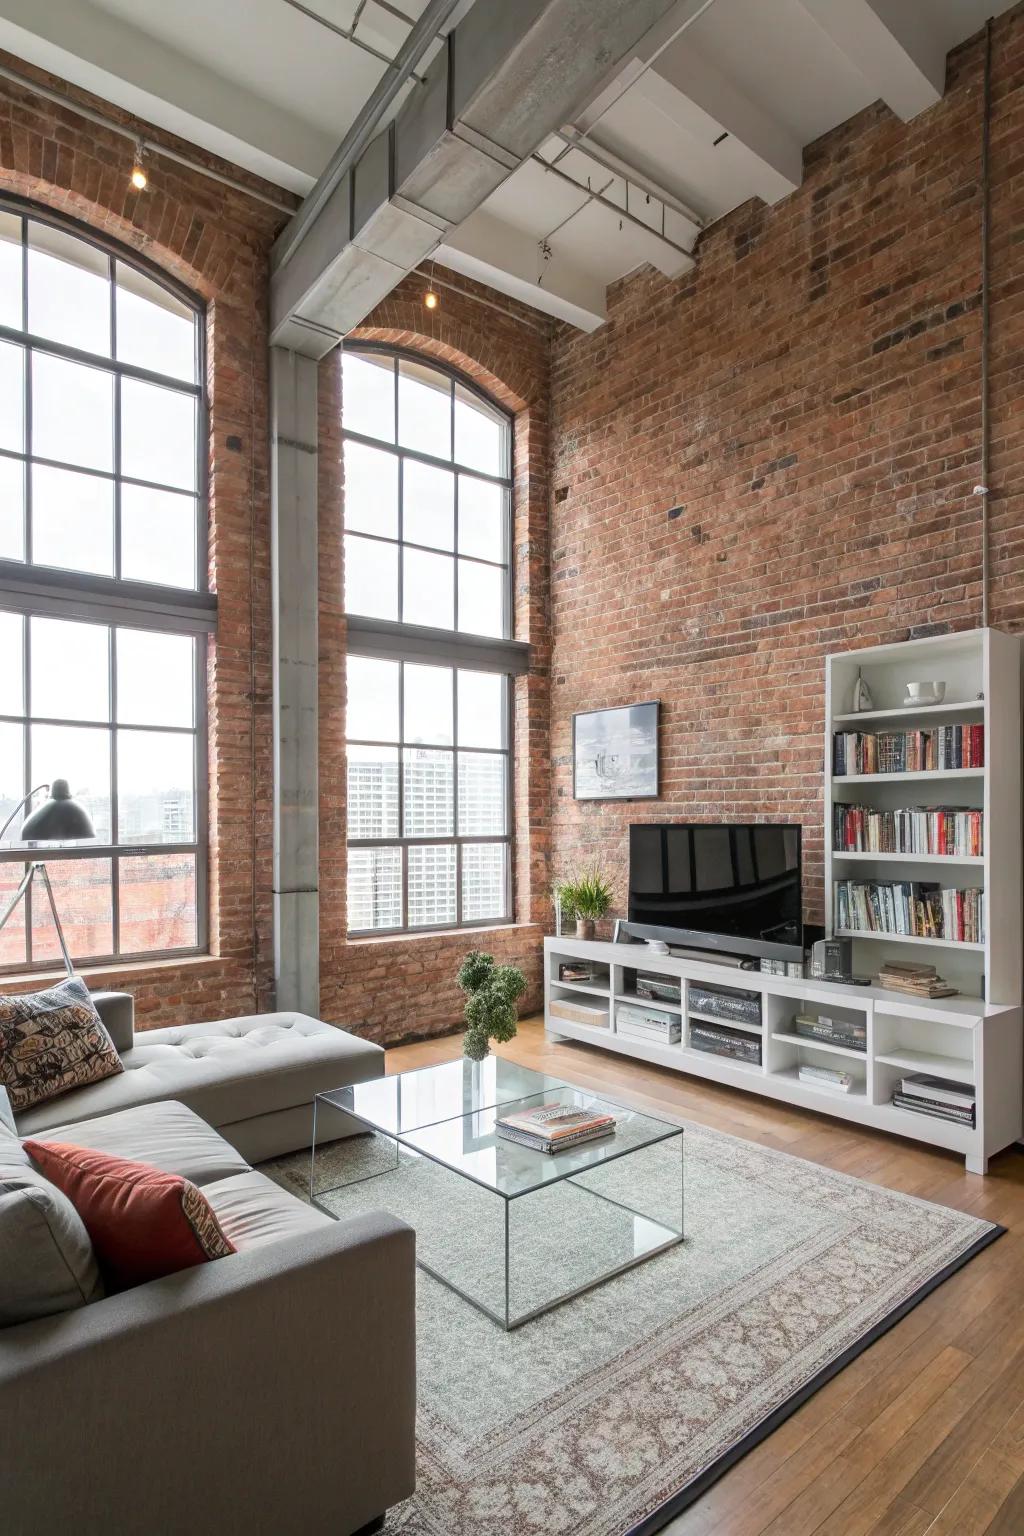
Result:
613,1412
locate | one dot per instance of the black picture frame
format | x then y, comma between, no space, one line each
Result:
594,730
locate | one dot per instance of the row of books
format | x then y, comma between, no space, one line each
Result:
938,829
853,1034
943,746
937,1097
913,979
554,1127
916,908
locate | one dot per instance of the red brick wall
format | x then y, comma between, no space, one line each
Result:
215,240
808,399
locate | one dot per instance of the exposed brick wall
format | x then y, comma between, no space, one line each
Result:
808,400
215,240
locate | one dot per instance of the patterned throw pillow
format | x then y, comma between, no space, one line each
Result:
51,1042
143,1223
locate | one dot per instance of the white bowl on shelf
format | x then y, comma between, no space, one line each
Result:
924,693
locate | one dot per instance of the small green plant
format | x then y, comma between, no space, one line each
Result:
591,895
491,1012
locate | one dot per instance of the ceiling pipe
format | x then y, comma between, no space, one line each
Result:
982,490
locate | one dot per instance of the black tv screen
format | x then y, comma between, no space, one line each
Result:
734,888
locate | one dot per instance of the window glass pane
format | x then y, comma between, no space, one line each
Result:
80,754
72,412
68,290
482,794
13,947
428,505
483,519
374,888
424,409
12,631
70,673
428,789
81,889
12,777
372,805
483,881
72,520
158,434
481,598
480,435
429,705
158,905
371,578
155,330
372,706
12,397
481,709
12,509
428,589
368,395
371,490
10,271
155,678
431,886
158,536
155,794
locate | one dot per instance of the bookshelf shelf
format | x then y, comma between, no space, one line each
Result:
587,988
938,1065
649,1002
792,1038
711,1018
959,859
908,938
922,775
972,709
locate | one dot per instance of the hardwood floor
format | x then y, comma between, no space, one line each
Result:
924,1432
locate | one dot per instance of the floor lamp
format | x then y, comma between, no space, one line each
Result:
60,819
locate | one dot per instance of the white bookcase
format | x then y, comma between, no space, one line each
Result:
982,673
963,1039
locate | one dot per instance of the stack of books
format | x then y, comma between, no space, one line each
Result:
826,1077
945,746
915,980
936,1096
917,829
554,1127
916,907
854,1036
579,971
720,1040
658,988
638,1023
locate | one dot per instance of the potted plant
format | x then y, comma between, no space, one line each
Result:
587,897
491,1012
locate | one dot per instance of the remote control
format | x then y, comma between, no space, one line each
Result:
846,981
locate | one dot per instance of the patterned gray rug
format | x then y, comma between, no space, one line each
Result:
612,1412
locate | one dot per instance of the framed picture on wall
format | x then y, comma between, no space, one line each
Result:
615,753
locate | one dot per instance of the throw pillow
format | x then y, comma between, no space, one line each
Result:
46,1260
143,1223
51,1042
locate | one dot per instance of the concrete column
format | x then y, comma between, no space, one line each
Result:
293,394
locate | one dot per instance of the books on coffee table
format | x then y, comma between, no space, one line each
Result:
553,1127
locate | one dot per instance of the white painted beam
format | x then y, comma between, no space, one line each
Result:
490,251
896,45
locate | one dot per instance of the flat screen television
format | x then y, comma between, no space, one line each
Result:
734,887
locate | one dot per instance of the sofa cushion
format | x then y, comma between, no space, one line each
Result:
143,1223
6,1114
252,1210
52,1042
228,1071
166,1136
47,1263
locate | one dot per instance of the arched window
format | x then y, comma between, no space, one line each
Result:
103,603
428,503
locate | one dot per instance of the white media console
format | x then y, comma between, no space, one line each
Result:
959,1038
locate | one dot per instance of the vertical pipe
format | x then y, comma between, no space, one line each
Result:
983,490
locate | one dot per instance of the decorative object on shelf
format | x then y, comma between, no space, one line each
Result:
586,897
862,699
491,1012
615,753
831,957
923,693
915,980
60,819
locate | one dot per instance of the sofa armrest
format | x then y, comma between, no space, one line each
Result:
270,1391
117,1010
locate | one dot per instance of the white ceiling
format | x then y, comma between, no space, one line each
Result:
696,124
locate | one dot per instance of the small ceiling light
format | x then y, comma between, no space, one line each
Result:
139,177
431,299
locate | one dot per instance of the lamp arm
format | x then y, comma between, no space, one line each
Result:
19,806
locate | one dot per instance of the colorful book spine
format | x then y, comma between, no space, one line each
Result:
941,747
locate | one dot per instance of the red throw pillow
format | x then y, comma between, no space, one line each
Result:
143,1223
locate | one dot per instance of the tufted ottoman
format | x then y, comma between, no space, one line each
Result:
252,1079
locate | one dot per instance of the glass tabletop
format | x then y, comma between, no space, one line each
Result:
408,1100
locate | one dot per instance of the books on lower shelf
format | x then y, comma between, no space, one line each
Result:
923,1094
554,1127
938,829
828,1031
581,971
720,1040
578,1012
923,751
826,1077
639,1023
917,908
663,988
914,980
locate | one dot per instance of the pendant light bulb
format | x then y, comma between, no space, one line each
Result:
139,177
431,299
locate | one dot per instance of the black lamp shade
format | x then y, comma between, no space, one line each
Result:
59,819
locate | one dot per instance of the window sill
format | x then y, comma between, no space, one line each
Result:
99,977
467,935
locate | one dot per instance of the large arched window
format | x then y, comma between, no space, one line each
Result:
103,607
428,493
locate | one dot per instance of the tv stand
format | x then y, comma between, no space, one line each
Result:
962,1038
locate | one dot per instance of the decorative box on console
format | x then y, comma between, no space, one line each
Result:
664,989
725,1002
579,1013
640,1023
719,1040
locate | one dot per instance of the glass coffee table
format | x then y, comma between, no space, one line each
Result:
511,1230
